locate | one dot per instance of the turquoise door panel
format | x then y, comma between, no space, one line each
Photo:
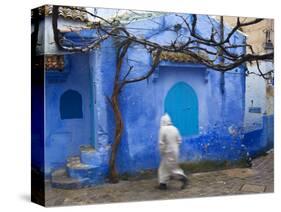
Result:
182,105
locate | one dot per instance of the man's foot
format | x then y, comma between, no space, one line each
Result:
162,186
184,182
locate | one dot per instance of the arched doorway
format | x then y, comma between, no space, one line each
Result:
181,104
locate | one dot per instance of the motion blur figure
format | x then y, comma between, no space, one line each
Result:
169,140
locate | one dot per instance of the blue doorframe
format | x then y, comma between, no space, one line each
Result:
181,104
92,106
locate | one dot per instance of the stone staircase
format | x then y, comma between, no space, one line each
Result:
80,171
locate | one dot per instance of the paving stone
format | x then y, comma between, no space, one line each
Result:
269,188
253,188
241,173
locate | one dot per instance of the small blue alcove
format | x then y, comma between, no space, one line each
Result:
71,105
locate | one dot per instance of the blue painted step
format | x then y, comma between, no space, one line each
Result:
100,160
90,156
81,171
78,170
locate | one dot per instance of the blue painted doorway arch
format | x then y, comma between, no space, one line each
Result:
181,104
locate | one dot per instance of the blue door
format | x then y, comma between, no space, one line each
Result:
182,105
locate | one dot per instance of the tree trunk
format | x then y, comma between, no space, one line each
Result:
113,175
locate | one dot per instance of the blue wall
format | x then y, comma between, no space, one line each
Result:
220,114
259,141
63,136
220,108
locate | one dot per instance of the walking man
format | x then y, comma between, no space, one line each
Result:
169,140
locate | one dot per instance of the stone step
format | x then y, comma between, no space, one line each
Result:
60,179
94,171
94,158
73,159
89,155
90,158
87,149
78,170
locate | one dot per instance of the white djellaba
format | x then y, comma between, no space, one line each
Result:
169,141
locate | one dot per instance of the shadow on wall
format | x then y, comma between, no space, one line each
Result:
259,141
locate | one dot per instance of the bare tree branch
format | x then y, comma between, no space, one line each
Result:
156,60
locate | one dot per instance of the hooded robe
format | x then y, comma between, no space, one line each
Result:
169,141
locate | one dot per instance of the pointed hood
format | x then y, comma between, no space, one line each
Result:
165,120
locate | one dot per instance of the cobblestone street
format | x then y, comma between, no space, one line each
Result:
258,179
